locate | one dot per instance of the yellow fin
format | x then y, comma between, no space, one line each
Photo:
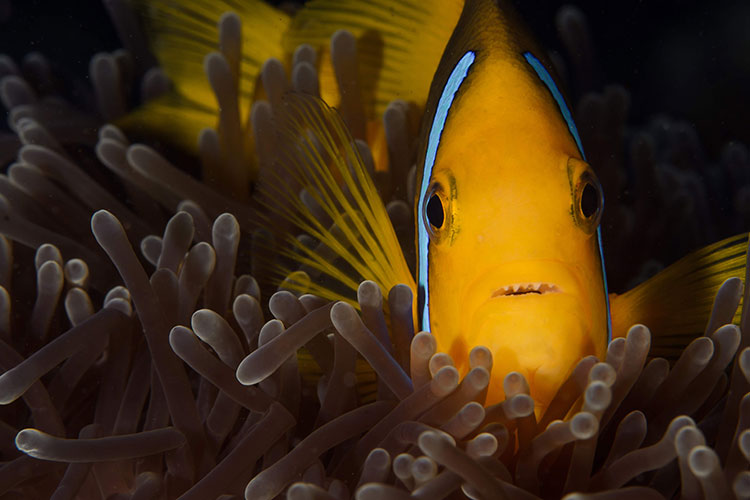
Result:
180,35
357,241
160,117
399,44
676,303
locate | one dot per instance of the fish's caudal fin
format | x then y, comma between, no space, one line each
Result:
323,189
676,303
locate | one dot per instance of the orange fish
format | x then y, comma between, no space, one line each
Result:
507,210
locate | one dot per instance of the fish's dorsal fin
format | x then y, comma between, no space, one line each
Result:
354,238
180,35
399,44
676,303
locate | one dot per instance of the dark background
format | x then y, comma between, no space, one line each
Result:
690,59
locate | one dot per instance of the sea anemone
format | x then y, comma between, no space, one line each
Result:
179,370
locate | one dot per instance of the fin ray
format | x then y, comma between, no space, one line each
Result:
319,155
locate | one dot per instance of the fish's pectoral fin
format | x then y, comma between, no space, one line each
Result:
676,303
348,233
320,187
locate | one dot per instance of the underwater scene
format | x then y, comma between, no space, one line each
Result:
374,249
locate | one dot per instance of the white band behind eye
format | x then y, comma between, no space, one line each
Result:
455,79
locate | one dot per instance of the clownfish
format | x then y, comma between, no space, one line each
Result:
507,210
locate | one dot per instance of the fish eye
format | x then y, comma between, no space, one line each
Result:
590,200
586,195
437,213
434,211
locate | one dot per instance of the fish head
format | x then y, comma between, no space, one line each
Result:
508,222
515,266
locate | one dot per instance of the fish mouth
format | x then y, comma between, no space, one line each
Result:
519,289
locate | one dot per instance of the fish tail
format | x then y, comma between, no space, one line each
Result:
677,302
